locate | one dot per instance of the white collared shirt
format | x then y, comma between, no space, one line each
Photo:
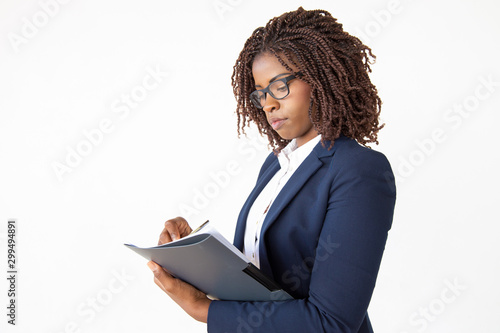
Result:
289,159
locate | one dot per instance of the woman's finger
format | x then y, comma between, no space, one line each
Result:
174,229
192,300
162,278
164,237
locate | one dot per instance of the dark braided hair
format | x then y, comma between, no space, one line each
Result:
334,64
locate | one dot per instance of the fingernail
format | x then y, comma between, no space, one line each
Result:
152,266
173,236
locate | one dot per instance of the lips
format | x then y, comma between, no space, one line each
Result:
276,123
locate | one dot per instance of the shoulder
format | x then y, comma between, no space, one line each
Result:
347,154
349,164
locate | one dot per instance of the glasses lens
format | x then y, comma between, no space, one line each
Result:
257,98
278,89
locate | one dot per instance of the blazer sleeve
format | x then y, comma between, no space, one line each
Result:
358,217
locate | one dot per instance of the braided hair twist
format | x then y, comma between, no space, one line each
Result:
334,64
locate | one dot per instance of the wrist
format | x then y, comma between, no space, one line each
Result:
202,310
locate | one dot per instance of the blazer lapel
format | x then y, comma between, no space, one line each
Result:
239,234
308,168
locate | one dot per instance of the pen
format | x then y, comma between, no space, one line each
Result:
201,226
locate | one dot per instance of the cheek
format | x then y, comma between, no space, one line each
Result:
299,103
304,96
302,107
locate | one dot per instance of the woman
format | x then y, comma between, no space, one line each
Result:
318,217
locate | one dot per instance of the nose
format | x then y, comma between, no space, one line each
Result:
271,104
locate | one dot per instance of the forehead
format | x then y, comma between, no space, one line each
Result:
265,67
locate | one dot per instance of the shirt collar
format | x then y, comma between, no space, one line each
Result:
292,156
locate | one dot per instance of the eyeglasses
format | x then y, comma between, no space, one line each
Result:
278,89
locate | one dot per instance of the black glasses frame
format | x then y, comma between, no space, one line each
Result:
255,97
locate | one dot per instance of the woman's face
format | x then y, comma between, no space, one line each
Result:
289,116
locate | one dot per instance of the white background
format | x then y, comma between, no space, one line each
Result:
62,78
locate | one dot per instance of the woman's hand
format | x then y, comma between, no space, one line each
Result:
174,229
190,299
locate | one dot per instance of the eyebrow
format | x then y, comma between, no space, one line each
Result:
275,78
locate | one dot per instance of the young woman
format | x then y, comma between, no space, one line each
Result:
318,217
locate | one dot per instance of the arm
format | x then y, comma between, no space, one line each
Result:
358,216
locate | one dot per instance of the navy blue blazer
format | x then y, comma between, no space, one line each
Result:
322,241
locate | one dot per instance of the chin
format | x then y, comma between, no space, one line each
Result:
284,136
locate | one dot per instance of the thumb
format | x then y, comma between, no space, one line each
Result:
162,278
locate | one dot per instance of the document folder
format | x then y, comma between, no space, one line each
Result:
209,262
